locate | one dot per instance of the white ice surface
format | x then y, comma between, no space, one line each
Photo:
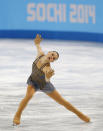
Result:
78,77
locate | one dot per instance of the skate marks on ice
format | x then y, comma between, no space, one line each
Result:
79,79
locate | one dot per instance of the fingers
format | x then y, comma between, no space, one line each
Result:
37,35
38,39
49,73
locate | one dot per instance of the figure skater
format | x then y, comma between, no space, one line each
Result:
39,80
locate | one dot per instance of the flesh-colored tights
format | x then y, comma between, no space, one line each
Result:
54,95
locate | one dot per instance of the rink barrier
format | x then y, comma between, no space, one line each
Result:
79,36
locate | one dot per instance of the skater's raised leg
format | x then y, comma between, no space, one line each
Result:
58,98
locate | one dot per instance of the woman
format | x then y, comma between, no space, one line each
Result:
40,80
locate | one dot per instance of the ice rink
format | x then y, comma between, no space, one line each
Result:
78,77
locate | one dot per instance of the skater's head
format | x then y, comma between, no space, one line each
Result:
52,56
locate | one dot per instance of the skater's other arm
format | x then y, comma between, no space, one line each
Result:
37,41
49,72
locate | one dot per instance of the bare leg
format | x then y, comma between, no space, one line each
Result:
58,98
30,92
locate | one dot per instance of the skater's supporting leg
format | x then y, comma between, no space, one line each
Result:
30,92
58,98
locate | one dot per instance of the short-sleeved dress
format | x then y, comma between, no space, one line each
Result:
37,78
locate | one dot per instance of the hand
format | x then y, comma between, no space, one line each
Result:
38,39
49,73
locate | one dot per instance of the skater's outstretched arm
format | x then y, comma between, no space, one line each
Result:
37,41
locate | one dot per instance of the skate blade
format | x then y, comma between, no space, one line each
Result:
14,124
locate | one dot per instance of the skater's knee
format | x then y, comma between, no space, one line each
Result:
29,93
61,101
28,96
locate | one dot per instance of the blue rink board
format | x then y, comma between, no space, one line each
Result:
96,37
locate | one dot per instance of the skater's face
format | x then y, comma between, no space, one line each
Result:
52,56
